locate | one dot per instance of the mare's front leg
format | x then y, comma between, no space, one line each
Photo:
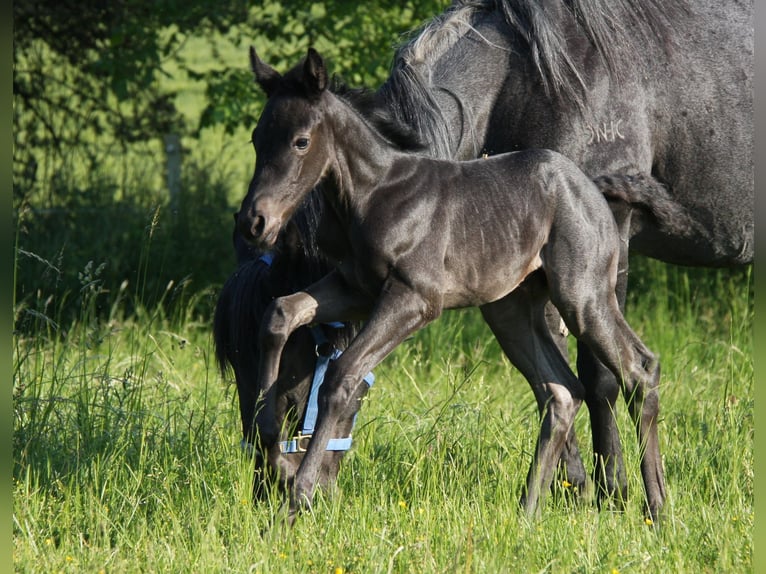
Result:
399,312
518,322
329,299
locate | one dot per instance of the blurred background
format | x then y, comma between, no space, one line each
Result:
131,129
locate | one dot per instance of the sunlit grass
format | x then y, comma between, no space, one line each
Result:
126,456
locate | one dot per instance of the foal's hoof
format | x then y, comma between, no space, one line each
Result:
289,513
299,502
531,508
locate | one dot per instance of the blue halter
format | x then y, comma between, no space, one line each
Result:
294,444
312,408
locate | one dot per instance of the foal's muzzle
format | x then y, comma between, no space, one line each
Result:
258,229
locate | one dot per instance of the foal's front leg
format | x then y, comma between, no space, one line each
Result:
282,318
398,313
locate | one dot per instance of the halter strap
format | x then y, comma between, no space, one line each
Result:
312,407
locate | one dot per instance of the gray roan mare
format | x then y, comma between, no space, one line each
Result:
411,235
659,89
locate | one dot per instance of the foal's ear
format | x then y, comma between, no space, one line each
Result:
314,72
265,76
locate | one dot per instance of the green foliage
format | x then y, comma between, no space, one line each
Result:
97,86
83,70
163,255
357,38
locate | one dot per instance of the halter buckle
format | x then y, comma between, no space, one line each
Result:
298,438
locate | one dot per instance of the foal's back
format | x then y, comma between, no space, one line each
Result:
481,226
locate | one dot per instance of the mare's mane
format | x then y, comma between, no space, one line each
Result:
379,117
618,30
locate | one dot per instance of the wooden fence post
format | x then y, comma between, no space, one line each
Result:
173,168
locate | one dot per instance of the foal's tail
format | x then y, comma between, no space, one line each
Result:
650,196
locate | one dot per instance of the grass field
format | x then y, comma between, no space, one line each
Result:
126,453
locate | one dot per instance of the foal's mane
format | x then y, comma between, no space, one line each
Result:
617,29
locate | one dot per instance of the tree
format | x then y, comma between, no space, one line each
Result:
90,109
357,38
86,69
83,69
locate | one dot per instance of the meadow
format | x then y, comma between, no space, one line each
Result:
126,437
126,454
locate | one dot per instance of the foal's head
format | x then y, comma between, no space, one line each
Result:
292,144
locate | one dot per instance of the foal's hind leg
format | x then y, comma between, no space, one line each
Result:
602,388
518,322
588,304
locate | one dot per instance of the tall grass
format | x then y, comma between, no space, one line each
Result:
126,457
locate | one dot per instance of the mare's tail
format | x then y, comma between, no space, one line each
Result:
650,196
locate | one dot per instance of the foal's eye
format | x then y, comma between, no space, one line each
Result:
301,143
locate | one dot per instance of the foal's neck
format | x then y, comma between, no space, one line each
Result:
362,156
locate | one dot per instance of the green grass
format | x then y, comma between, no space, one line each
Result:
126,453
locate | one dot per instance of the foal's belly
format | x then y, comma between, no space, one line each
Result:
476,283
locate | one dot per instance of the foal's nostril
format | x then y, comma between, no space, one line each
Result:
259,224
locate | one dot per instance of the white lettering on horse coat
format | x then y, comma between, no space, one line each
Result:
604,132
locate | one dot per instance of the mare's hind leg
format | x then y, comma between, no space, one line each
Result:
601,392
518,322
602,389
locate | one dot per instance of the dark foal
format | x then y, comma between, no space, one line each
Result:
411,236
